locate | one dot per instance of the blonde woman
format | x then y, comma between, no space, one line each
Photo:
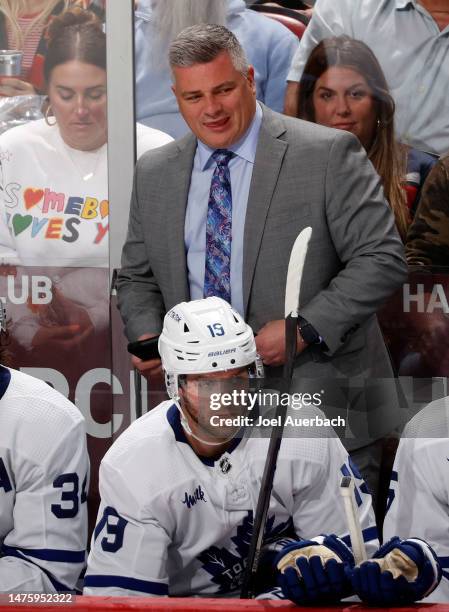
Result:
23,25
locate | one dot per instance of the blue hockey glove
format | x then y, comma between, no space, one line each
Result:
398,574
315,572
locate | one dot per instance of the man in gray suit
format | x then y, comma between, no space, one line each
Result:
284,174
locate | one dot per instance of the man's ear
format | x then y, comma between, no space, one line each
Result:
251,78
180,393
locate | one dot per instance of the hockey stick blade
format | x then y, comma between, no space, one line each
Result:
295,272
292,290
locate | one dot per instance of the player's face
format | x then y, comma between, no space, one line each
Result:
196,393
217,101
343,100
77,93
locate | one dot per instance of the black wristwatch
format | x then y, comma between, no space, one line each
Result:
308,332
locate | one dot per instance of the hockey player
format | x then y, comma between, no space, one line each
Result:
178,498
43,482
418,498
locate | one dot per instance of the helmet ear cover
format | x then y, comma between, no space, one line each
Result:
171,384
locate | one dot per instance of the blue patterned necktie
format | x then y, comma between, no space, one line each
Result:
217,275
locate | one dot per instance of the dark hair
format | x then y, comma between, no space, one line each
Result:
76,34
386,155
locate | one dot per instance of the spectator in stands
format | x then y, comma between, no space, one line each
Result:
23,25
343,87
411,41
54,188
268,44
66,154
428,236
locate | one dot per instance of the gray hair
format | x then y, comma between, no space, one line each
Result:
202,43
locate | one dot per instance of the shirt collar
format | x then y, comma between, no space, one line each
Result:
244,148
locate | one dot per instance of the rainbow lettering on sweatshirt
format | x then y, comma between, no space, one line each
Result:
55,215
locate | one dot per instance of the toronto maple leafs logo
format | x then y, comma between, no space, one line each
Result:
226,567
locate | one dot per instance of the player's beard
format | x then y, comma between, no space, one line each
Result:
170,17
196,421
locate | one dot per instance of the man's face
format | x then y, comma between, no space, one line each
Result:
217,102
195,393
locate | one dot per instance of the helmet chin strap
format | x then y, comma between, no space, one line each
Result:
186,427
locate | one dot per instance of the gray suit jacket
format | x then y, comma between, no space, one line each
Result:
304,174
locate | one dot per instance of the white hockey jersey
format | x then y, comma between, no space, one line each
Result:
43,483
173,523
418,501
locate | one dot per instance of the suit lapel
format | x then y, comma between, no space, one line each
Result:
179,170
267,165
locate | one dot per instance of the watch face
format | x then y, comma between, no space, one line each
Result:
309,334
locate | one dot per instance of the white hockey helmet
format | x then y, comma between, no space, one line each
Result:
205,336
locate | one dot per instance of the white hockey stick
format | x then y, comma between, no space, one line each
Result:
352,519
295,272
293,285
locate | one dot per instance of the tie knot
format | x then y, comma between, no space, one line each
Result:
222,157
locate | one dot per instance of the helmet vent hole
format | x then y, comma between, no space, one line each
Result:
186,329
233,361
214,364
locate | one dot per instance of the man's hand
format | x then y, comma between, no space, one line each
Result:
10,86
152,368
270,342
400,573
315,572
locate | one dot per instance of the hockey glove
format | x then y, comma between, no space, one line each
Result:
399,573
315,572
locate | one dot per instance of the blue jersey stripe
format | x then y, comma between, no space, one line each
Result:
444,561
123,582
15,552
5,379
48,554
370,533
